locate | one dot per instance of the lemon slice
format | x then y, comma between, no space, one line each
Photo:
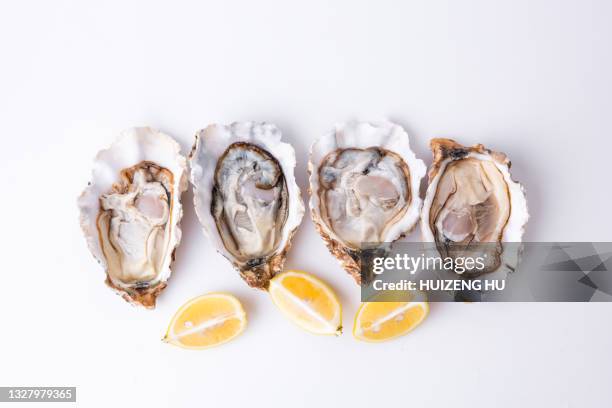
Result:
307,301
206,321
381,321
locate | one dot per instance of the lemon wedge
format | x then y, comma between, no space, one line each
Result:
381,321
206,321
307,301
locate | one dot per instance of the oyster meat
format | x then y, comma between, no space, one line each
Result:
131,209
472,206
246,197
364,188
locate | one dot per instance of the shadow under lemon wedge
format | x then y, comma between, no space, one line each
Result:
381,321
206,321
307,301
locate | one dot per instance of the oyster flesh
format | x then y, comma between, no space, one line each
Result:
246,197
472,206
364,188
131,209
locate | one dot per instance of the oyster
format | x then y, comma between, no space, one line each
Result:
131,209
472,206
364,188
246,197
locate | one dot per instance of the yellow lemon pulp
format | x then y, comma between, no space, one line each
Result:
381,321
206,321
307,301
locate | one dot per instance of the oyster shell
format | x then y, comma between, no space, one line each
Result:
131,209
364,188
246,197
472,206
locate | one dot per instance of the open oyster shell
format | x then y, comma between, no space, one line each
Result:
131,209
364,188
246,197
472,206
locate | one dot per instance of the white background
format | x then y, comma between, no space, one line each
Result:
530,78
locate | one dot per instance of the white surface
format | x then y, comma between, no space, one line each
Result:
530,78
